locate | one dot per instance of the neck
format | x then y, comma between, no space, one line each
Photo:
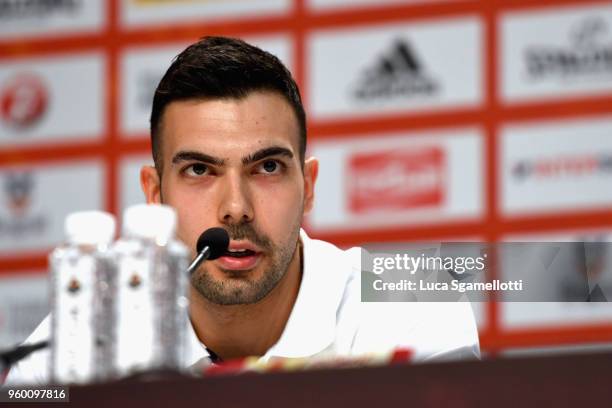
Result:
237,331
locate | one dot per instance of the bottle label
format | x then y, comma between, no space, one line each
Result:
73,335
135,342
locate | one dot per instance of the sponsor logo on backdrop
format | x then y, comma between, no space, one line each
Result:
18,189
588,53
11,9
396,179
399,73
23,101
567,166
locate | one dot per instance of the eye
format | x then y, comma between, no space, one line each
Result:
269,167
197,169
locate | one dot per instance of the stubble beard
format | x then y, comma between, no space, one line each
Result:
238,290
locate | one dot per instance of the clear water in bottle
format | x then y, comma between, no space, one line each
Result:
151,306
78,267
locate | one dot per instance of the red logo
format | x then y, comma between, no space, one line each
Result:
396,179
23,101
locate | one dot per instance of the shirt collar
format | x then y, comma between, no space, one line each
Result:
311,326
195,349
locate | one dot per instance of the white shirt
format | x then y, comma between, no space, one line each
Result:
328,317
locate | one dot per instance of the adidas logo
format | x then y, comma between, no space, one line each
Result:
398,74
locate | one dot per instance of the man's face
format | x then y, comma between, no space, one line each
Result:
235,163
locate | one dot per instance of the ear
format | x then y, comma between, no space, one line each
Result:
311,171
150,184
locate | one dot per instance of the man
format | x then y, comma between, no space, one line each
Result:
229,140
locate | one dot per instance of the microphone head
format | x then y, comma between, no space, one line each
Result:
217,239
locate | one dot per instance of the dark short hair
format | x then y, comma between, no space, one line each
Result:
219,68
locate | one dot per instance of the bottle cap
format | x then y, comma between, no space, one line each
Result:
151,221
89,228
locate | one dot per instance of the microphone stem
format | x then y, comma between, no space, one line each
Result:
198,260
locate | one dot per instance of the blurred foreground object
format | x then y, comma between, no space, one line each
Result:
78,268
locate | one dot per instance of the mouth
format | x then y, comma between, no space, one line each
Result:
240,256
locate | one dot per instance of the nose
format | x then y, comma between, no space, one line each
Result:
235,206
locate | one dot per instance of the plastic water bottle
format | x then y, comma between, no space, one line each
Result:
77,267
151,306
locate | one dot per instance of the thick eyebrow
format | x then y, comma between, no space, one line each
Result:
267,152
197,156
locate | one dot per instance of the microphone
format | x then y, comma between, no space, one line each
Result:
10,357
211,245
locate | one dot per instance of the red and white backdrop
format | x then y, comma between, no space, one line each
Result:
442,120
